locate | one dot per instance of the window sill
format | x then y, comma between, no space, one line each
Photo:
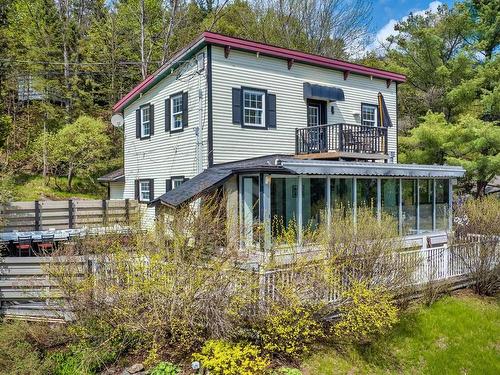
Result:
178,130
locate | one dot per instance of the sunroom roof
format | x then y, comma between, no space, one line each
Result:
214,177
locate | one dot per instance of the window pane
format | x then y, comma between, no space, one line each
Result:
442,204
390,196
144,190
409,203
366,192
253,103
368,115
425,191
284,197
313,201
250,209
341,194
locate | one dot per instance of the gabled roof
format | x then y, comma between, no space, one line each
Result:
214,177
115,176
250,46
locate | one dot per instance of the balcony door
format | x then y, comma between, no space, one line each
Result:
316,115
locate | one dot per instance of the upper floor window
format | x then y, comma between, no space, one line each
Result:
145,121
177,108
145,193
254,108
368,115
177,181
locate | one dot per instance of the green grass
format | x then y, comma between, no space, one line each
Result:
29,188
456,335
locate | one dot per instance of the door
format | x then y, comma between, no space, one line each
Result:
316,115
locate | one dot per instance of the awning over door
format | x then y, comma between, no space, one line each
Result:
319,92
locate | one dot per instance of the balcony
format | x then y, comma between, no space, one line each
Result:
341,141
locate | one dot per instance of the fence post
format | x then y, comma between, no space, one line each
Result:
127,207
70,213
37,215
104,212
446,251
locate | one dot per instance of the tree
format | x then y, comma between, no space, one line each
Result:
470,142
78,148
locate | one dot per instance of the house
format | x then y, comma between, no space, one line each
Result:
286,134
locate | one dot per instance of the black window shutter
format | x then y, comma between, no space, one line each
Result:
271,111
167,115
237,113
151,189
136,193
138,123
168,184
152,119
184,109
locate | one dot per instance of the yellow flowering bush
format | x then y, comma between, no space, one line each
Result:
222,357
289,331
367,313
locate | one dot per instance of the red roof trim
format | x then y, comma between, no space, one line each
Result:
268,50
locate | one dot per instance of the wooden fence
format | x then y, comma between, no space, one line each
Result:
45,215
26,290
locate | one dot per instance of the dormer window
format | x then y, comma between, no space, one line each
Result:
254,108
368,115
177,108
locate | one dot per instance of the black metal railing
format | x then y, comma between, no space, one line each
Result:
342,138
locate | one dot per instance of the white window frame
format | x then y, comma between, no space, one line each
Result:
178,180
143,183
367,122
262,94
177,113
148,122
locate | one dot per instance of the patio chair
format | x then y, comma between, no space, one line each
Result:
47,244
24,245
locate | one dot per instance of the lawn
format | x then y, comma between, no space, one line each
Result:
30,188
456,335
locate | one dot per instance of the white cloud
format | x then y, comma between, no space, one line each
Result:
388,29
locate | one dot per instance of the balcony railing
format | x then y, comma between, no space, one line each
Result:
342,138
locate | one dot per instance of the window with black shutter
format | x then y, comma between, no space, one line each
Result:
253,108
176,112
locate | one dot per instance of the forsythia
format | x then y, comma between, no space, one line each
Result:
221,357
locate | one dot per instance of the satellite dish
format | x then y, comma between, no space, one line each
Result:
117,120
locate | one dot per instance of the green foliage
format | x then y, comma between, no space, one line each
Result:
18,354
289,331
287,371
366,314
78,149
224,358
472,143
165,368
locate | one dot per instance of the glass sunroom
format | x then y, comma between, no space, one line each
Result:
304,192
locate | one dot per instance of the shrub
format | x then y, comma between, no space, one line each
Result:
224,358
476,242
365,314
289,331
165,368
18,355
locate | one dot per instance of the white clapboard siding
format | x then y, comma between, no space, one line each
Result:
165,155
232,142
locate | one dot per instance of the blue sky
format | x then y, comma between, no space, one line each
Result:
386,13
